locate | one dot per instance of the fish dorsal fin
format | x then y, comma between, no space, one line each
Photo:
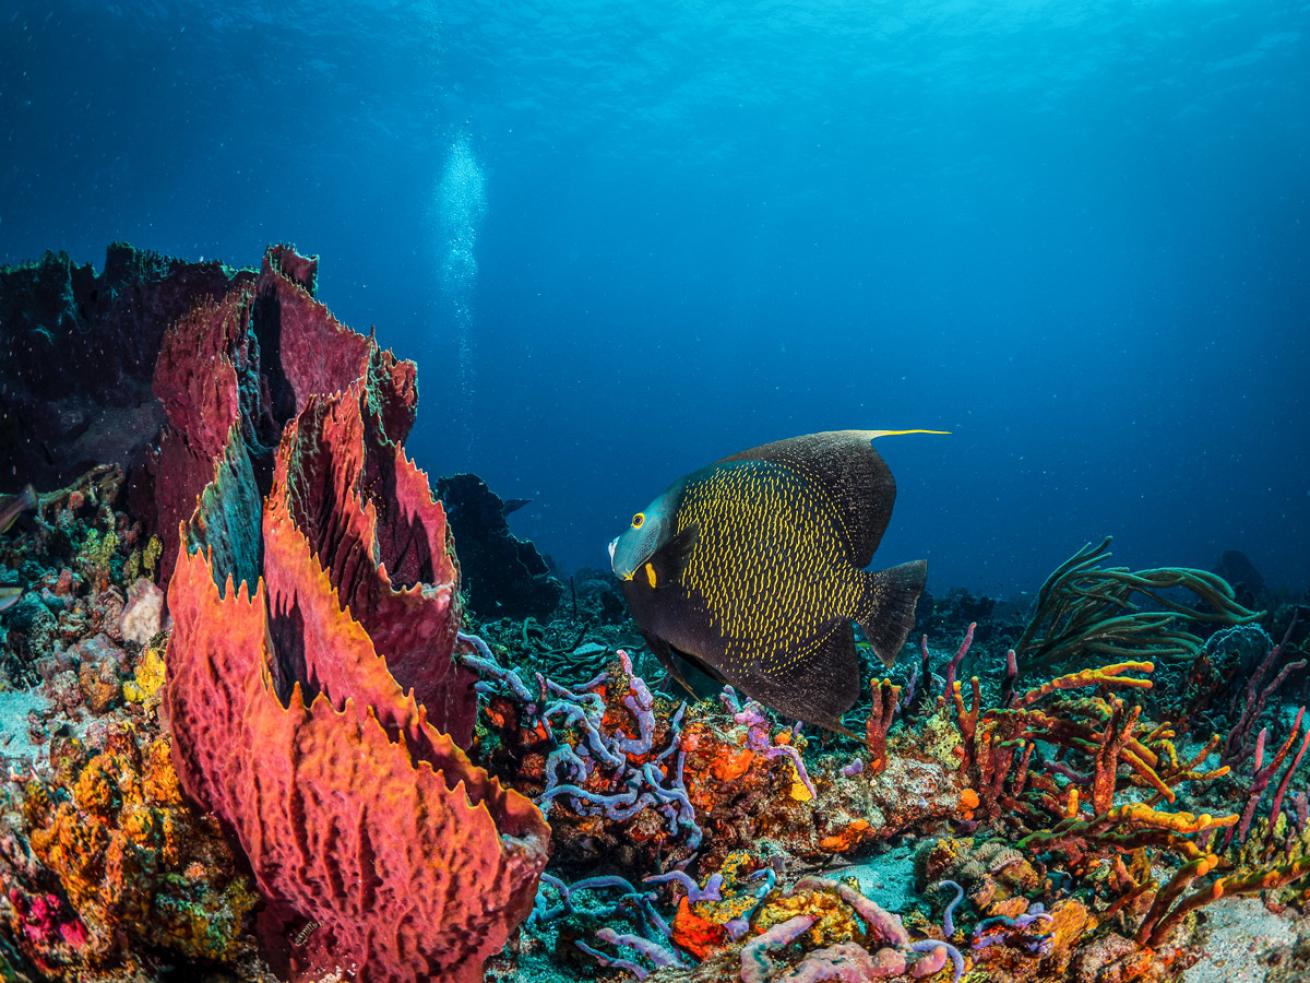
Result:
845,464
816,686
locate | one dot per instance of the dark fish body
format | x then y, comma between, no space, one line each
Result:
757,572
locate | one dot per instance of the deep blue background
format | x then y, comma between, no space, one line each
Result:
1077,235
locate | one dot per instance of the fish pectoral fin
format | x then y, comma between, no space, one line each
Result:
670,664
670,560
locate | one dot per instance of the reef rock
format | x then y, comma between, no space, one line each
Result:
503,576
80,352
143,613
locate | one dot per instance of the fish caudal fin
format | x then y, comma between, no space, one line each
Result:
889,600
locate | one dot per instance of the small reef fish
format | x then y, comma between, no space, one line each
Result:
9,596
754,568
16,505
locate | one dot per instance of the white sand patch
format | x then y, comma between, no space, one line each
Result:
17,751
887,879
1240,935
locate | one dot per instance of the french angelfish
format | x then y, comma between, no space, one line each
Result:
754,569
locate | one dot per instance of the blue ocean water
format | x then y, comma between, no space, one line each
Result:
624,239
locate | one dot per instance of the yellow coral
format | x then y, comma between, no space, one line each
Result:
131,566
834,920
147,677
798,790
159,780
96,790
133,859
150,557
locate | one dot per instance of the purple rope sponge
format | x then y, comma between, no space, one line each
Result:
846,962
948,917
756,966
787,751
656,953
614,962
934,946
712,891
485,662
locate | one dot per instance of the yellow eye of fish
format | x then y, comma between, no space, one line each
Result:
638,520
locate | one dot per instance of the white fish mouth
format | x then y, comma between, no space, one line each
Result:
613,567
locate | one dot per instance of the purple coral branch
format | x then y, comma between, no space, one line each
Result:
932,945
1253,705
540,913
1260,779
614,804
673,801
639,702
675,733
593,699
484,662
614,962
564,755
1277,807
789,752
574,714
948,916
656,953
712,891
954,664
756,966
737,927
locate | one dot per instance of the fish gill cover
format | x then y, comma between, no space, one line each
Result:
274,705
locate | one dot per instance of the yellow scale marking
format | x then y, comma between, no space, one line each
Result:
772,562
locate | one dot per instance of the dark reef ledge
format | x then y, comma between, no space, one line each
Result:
79,354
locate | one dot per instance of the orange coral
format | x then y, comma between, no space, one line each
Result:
135,862
848,837
1111,676
315,703
731,763
969,801
696,934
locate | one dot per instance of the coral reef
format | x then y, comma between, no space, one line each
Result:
1073,850
252,730
313,701
105,870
